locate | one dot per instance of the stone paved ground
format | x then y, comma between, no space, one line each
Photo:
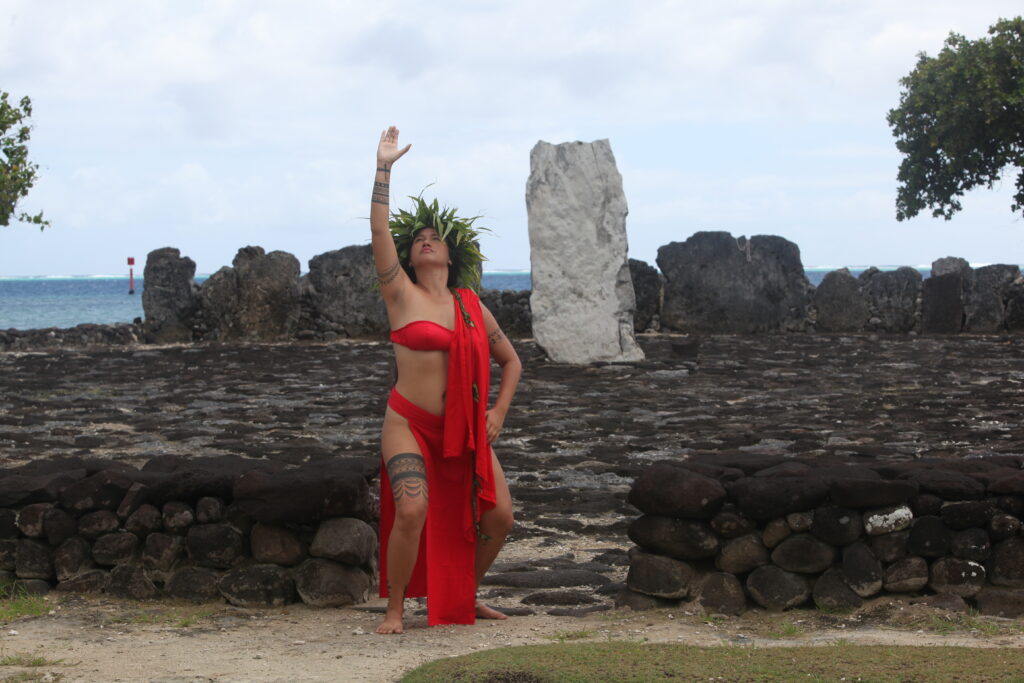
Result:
576,437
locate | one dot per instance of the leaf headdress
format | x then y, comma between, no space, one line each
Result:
458,233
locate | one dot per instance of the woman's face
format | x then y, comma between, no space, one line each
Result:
428,247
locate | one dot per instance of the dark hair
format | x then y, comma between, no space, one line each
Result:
453,256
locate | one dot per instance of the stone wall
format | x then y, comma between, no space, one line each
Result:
728,533
251,532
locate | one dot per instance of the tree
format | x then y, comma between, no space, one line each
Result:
17,173
960,121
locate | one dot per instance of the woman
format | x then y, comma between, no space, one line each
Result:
445,505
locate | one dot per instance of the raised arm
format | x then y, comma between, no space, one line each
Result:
390,274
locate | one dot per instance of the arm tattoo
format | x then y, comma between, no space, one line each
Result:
408,475
495,337
389,274
384,169
380,193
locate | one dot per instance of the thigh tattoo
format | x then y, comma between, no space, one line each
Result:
408,475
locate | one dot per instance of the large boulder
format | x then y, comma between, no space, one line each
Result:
717,284
256,299
341,295
1015,307
892,297
840,303
942,304
647,288
169,297
582,300
987,291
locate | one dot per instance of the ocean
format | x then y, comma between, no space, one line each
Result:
57,301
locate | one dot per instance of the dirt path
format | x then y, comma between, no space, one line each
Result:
99,639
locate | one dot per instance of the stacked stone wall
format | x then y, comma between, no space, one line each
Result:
251,532
730,533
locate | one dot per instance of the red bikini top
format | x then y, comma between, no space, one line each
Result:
423,335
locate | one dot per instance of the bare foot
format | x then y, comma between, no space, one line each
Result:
485,612
392,624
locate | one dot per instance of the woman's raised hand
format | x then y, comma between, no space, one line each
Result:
387,151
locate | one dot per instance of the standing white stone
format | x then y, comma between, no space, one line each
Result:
582,301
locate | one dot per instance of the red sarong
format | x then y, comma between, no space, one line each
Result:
460,476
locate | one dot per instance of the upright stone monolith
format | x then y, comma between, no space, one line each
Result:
582,301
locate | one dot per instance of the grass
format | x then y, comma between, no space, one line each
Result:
564,636
25,661
625,662
16,605
33,677
788,630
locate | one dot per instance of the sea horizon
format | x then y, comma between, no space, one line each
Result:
496,271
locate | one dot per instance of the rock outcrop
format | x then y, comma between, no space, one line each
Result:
582,301
257,299
717,284
988,293
840,304
893,298
170,297
341,297
647,288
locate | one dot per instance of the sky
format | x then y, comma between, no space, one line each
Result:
210,126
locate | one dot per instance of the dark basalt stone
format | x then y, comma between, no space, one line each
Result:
178,517
1009,484
194,584
1003,526
144,521
58,526
115,549
91,581
803,553
322,583
1000,602
130,581
276,545
31,519
568,597
8,523
346,540
925,505
210,510
942,304
966,514
1006,564
23,489
299,496
92,525
743,554
721,593
861,570
666,491
890,547
162,551
954,576
947,485
647,289
831,592
660,576
730,523
34,560
840,304
71,558
102,491
906,576
765,499
8,553
971,544
929,537
865,493
836,526
678,538
776,589
258,585
214,545
639,601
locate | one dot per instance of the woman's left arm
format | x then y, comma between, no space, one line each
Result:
505,355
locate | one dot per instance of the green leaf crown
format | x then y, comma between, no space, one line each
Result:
458,233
